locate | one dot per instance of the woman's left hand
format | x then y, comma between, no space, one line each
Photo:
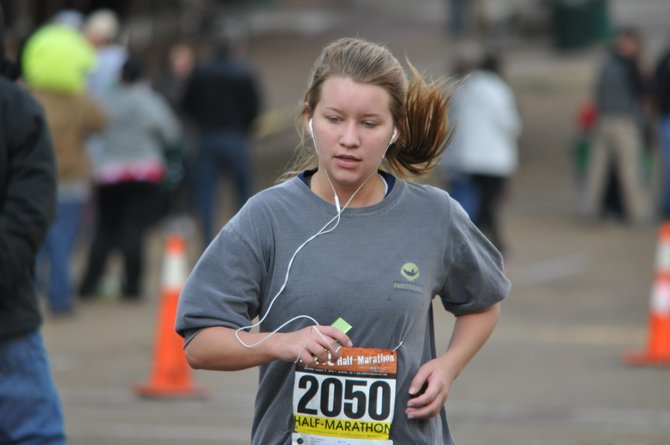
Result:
435,380
469,335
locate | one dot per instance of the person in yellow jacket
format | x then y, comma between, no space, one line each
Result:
56,63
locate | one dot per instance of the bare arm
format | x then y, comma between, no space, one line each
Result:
469,335
217,348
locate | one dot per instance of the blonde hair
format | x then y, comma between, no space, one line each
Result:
103,25
418,107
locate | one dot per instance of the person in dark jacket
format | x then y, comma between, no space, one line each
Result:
222,98
30,411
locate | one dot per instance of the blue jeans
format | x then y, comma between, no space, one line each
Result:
58,247
30,411
220,152
664,130
464,190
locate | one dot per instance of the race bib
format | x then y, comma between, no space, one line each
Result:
347,402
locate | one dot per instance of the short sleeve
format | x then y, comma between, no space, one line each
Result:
475,279
224,287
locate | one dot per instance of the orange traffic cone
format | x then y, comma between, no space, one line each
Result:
171,374
658,343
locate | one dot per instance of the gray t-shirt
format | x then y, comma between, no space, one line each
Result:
379,269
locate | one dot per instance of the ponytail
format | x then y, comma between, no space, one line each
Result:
424,130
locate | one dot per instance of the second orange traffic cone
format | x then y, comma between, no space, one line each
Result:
657,351
171,374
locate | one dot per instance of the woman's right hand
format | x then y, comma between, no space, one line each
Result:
313,344
219,348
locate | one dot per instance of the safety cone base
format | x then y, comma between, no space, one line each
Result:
643,358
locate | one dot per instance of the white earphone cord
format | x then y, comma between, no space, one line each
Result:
321,231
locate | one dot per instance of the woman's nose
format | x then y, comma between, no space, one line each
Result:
350,137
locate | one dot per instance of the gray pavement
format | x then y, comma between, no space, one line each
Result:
552,373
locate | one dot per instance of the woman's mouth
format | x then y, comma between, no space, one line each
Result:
344,161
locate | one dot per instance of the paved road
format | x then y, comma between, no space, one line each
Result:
551,375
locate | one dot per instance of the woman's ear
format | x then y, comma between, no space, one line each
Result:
310,127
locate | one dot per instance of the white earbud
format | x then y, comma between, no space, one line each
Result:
337,203
394,135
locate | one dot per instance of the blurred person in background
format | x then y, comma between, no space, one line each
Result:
171,83
128,178
179,65
453,178
611,205
101,28
619,98
30,410
57,60
222,98
662,103
483,152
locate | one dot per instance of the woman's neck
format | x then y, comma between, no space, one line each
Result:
371,191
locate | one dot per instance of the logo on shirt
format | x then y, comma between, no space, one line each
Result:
410,272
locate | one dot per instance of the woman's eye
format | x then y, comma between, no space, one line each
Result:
369,124
333,119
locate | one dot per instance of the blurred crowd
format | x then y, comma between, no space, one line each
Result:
133,150
622,151
136,148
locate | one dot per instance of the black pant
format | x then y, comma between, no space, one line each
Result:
124,212
491,190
